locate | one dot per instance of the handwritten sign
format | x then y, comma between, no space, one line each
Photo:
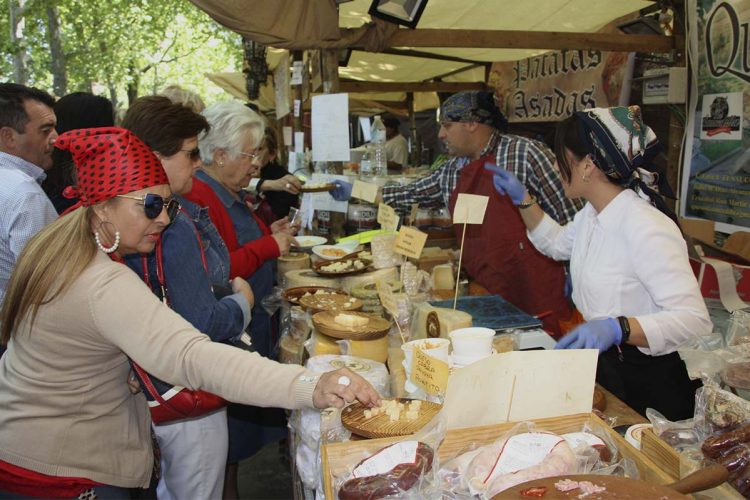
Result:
387,217
365,191
470,208
385,294
409,242
431,374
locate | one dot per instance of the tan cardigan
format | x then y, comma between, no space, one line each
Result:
65,406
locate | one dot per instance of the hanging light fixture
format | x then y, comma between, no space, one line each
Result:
255,67
403,12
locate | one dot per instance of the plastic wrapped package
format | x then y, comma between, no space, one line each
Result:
680,435
406,469
273,301
738,328
374,372
717,410
383,255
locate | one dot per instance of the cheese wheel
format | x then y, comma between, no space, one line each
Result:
376,349
433,322
290,262
306,277
357,280
320,344
369,291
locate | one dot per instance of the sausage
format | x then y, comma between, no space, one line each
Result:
736,459
401,478
714,446
742,484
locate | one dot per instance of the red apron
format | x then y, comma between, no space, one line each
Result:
500,257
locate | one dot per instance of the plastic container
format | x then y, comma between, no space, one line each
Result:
379,160
361,217
365,164
471,344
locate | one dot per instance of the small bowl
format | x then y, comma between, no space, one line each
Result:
310,241
330,252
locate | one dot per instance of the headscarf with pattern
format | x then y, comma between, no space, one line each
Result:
109,161
473,106
624,148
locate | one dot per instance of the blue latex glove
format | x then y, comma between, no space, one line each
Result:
343,191
506,183
596,334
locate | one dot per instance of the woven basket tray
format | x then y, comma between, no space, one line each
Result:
374,329
380,426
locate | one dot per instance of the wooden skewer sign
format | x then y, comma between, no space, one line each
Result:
469,209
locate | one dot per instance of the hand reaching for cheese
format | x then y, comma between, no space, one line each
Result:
330,392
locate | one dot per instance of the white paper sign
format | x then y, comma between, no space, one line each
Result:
281,86
287,136
364,122
297,107
521,385
330,127
297,67
299,142
324,201
404,452
470,208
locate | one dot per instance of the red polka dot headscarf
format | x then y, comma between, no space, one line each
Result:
109,161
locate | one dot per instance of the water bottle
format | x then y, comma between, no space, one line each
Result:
379,160
365,165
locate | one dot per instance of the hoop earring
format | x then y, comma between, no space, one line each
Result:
584,178
98,239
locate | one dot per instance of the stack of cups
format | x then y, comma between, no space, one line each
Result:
437,348
470,345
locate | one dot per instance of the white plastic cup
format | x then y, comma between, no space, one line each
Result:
471,344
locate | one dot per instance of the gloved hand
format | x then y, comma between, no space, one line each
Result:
506,183
343,191
595,334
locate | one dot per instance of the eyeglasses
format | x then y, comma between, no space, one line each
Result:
153,204
252,156
193,154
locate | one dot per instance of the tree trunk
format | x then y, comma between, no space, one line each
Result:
16,9
59,71
133,83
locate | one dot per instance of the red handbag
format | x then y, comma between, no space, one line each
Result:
167,402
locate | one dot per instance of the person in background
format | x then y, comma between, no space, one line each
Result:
497,254
27,132
277,189
73,111
231,157
191,259
632,281
396,147
186,97
71,325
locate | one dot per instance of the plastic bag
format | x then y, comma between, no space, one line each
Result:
273,301
738,328
406,469
717,410
680,435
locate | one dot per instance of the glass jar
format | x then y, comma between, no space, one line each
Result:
360,217
323,217
441,217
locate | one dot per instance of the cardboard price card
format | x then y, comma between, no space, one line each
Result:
365,191
386,297
429,373
410,242
387,217
470,208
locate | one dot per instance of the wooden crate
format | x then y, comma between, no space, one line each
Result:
668,460
338,458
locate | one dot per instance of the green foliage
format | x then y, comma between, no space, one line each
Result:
115,45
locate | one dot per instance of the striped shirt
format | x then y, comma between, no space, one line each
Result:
531,161
24,210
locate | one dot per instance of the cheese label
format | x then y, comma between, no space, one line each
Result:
387,217
409,242
386,459
365,191
470,208
432,325
429,373
386,297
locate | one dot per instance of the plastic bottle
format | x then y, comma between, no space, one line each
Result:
379,160
365,164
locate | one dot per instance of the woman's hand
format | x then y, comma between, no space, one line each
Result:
288,183
239,285
343,386
283,226
595,334
284,240
507,183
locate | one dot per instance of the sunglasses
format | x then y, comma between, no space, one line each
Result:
193,154
153,204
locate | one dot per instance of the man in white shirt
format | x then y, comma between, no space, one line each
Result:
396,147
27,132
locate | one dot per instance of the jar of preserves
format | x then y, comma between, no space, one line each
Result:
361,217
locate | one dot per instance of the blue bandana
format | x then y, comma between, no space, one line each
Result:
473,106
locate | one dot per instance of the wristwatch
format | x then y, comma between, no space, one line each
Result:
625,327
527,205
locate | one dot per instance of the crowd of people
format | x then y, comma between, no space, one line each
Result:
184,206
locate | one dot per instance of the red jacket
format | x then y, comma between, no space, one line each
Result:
243,260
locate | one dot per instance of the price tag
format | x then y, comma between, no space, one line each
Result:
386,297
365,191
387,217
297,68
297,107
431,374
410,242
470,208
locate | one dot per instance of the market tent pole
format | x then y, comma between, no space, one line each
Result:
416,143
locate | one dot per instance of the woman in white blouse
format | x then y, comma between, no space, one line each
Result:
629,266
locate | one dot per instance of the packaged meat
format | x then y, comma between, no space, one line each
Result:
718,444
388,472
738,374
721,409
736,459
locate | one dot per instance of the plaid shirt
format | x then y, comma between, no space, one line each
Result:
531,161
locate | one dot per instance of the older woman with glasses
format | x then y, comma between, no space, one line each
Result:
70,423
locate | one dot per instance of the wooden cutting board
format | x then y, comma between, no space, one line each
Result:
375,328
622,488
380,426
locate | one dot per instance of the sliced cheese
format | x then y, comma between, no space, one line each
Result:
442,277
350,320
322,344
433,322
